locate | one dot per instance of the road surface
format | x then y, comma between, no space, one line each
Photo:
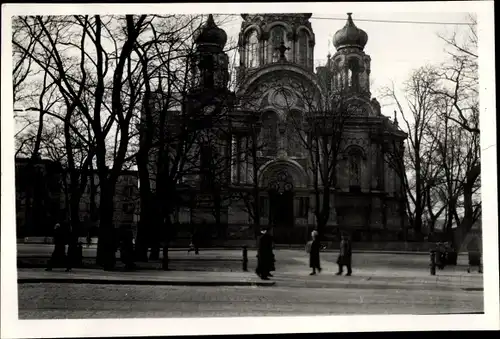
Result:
49,301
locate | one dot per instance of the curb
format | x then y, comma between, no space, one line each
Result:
197,259
401,287
339,285
141,282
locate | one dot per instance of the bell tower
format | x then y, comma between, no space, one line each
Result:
210,62
273,38
350,66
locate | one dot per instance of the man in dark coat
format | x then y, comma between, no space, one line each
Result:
58,257
345,255
265,256
314,253
127,248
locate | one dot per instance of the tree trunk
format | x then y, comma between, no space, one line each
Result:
465,226
164,262
256,212
165,240
324,213
155,231
143,238
107,243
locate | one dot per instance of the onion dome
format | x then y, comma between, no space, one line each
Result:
350,36
209,33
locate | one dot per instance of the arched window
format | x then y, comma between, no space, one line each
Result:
252,52
337,71
302,47
269,139
278,35
353,73
339,79
206,66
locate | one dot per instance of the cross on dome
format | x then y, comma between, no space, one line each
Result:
282,49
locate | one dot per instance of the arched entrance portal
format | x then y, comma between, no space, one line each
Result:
283,181
281,201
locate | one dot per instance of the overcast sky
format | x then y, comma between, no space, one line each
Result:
395,48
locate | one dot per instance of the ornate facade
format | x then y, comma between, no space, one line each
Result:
278,90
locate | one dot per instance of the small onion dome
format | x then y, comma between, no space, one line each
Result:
209,33
350,36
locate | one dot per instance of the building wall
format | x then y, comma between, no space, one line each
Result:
55,182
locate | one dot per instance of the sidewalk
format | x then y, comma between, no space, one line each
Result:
286,276
451,278
46,249
175,278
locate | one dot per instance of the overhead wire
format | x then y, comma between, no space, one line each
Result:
401,21
385,21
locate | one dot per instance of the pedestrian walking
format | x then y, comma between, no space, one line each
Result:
441,255
345,256
58,257
265,255
314,253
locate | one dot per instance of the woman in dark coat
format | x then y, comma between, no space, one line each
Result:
345,256
314,254
265,256
58,257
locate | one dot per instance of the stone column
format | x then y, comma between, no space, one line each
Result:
311,217
376,214
365,175
244,173
250,178
281,141
234,155
332,218
346,175
241,159
374,165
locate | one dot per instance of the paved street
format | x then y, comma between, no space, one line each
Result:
104,301
381,283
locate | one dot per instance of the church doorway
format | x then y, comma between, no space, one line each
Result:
281,207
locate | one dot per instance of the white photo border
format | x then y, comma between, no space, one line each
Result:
13,327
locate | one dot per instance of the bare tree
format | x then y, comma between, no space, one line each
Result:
91,94
320,131
165,59
459,87
417,118
250,191
175,123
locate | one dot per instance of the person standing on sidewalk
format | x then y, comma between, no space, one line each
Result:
58,256
73,255
127,248
195,242
314,253
89,238
265,255
345,256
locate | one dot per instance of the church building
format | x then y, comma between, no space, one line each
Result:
280,168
